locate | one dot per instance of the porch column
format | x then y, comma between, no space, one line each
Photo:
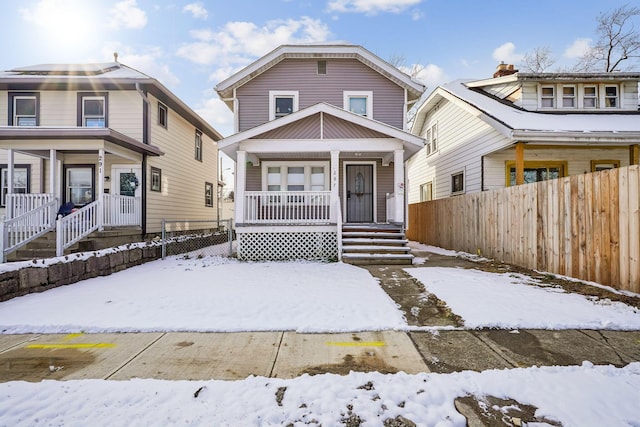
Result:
10,166
241,171
398,183
53,164
100,196
335,195
634,154
519,163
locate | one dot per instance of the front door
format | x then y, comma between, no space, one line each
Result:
359,193
125,181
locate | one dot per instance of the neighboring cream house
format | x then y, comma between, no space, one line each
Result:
320,140
522,127
110,140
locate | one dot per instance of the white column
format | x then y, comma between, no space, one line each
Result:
53,164
335,174
10,166
241,171
100,195
398,183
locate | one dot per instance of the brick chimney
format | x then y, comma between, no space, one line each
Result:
504,70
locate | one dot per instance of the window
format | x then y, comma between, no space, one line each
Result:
25,111
457,183
611,96
359,102
568,96
94,112
322,67
590,97
282,103
432,139
21,182
198,146
79,184
426,192
208,194
536,171
163,115
601,165
295,176
156,179
548,97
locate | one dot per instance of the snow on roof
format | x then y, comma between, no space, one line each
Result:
110,70
521,120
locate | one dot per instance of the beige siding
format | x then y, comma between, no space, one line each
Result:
58,108
125,113
183,177
504,90
629,91
529,96
4,105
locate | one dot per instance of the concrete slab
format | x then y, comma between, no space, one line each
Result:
199,356
547,348
455,351
9,341
71,356
385,351
625,343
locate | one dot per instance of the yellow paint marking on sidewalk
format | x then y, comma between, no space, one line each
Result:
356,343
85,345
70,337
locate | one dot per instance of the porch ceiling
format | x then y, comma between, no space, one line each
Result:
322,155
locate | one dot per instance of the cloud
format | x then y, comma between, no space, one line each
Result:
238,43
127,14
217,114
370,7
430,75
507,53
149,62
417,14
578,48
197,10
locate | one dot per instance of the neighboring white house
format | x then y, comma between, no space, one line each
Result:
320,139
522,127
107,140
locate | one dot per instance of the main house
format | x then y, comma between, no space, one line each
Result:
320,140
106,141
518,128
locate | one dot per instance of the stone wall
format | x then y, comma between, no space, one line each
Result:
32,279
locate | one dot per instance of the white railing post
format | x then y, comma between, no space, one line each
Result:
59,238
3,241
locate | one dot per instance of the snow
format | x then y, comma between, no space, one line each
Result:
219,294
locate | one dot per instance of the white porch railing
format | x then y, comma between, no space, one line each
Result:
19,204
121,210
20,230
391,208
75,226
287,207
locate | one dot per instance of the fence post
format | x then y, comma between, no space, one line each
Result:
230,235
59,239
164,242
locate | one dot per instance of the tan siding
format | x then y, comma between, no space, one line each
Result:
529,96
58,108
629,96
183,177
125,113
300,75
4,108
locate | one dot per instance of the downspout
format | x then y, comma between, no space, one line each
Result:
481,173
146,136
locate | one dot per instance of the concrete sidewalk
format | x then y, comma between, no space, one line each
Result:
231,356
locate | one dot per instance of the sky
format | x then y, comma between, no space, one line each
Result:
190,46
311,297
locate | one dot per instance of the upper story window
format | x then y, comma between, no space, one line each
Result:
282,103
548,97
432,139
198,146
569,97
322,67
359,102
590,97
93,110
25,110
611,97
163,115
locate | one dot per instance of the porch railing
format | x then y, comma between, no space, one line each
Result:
391,208
121,210
77,225
20,204
287,207
20,230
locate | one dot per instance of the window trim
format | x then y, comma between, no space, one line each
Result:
368,94
283,175
424,186
4,166
604,97
92,95
17,95
157,171
537,164
208,186
198,146
542,97
274,94
161,108
66,167
585,97
574,98
453,175
613,163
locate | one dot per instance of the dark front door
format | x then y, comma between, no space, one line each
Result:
359,193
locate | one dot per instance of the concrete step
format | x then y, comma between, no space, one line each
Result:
367,259
370,242
367,234
376,249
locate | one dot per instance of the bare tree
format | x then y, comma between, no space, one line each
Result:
539,60
618,41
399,61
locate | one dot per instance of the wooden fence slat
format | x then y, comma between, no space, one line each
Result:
614,229
634,229
623,226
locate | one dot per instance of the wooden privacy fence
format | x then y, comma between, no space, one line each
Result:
584,226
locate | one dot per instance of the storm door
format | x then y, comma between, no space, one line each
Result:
359,193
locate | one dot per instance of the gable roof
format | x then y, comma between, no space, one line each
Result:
516,123
412,143
319,51
99,76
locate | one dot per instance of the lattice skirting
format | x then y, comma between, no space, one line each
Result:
289,245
